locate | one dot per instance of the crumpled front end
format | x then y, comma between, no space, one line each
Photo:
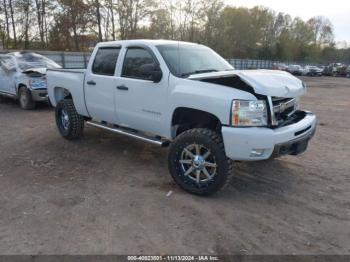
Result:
288,129
35,80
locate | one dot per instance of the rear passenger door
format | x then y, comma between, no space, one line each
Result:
140,102
100,83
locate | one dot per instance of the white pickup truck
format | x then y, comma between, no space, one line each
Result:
188,97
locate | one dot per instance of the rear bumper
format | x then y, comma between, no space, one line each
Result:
39,95
243,143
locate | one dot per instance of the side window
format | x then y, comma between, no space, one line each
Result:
135,58
105,61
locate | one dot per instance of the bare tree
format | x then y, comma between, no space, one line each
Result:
41,13
209,13
13,23
322,29
130,13
98,16
26,7
7,24
74,17
232,31
110,9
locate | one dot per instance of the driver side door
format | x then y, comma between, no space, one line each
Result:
140,102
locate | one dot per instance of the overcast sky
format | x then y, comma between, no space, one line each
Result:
338,11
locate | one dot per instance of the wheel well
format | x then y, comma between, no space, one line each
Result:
61,93
187,118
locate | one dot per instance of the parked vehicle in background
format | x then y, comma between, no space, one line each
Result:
335,69
348,71
279,66
184,95
23,77
312,71
296,70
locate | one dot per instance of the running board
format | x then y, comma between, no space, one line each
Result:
133,134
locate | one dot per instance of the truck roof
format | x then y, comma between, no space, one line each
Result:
143,42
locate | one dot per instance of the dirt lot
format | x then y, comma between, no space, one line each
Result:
106,194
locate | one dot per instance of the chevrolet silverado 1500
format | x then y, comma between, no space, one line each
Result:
187,97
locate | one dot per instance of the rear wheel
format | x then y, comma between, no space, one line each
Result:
69,122
198,163
25,98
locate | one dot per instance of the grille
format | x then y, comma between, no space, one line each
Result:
283,108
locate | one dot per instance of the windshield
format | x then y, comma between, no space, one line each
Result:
184,60
31,60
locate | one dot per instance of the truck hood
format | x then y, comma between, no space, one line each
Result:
40,70
264,82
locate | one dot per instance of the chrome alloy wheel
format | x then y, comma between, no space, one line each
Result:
198,163
64,119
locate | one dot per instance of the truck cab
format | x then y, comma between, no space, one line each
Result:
185,96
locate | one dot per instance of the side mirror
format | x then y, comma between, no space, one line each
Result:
151,72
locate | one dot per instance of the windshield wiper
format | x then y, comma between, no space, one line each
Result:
199,72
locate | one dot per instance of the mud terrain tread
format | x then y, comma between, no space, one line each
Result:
76,121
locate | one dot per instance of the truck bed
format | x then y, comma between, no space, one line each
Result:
70,79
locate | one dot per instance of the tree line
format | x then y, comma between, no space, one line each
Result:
234,32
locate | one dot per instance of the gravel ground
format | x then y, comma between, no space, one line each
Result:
106,194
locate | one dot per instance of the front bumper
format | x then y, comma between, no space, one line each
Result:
39,95
292,139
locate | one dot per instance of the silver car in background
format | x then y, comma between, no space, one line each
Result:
297,70
313,70
23,77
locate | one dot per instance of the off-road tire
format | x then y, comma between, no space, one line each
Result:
210,140
25,98
75,126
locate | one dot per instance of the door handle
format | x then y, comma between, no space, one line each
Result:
125,88
91,83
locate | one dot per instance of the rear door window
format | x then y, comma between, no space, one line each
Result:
105,61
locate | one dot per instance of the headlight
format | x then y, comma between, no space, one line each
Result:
249,113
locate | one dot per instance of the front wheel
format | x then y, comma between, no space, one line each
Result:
198,163
69,122
25,98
